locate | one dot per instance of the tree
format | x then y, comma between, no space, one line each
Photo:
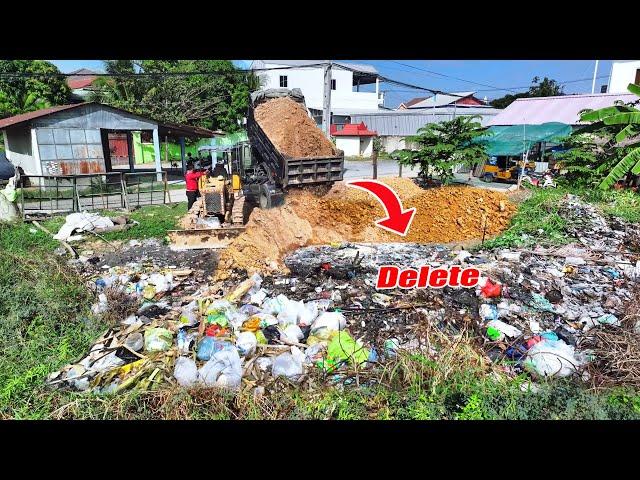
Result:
215,99
621,147
590,155
28,85
442,146
544,88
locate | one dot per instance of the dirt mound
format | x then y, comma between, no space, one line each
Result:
292,132
444,215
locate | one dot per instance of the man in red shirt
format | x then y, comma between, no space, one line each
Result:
191,180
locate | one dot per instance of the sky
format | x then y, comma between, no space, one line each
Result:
499,77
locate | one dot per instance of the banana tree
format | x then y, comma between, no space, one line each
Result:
629,117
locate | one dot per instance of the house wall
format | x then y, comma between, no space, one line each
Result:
366,146
17,142
70,151
622,74
349,145
70,143
311,82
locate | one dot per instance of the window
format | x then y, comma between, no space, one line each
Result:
333,84
283,81
637,82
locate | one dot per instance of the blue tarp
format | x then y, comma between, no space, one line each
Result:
515,139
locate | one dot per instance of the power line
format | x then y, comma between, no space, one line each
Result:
450,76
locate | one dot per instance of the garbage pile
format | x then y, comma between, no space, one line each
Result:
531,311
213,340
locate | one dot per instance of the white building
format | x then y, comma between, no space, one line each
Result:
622,74
308,76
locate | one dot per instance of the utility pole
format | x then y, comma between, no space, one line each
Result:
326,100
595,72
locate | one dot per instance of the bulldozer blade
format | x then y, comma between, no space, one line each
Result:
204,238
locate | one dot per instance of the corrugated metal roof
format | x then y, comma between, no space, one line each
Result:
25,117
563,109
186,130
405,122
441,100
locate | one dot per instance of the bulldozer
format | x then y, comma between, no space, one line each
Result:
220,214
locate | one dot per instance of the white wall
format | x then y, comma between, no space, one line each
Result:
349,145
311,82
622,74
366,146
18,149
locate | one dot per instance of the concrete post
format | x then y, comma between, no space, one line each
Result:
182,155
156,150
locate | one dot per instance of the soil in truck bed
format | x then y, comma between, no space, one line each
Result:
291,130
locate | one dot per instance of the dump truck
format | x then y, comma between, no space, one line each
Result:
256,174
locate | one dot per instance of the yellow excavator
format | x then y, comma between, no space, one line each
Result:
504,168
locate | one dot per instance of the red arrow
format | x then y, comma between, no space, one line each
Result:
398,220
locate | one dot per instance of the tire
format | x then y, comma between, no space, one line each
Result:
488,178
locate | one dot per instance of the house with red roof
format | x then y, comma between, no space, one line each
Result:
80,83
354,139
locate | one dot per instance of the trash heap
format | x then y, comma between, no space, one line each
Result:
212,340
531,311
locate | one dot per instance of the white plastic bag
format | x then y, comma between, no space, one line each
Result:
224,369
246,343
292,333
509,330
287,365
186,372
550,358
329,321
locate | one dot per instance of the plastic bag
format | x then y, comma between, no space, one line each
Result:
288,365
488,312
550,358
491,289
157,339
185,372
246,343
329,321
163,283
292,333
343,348
315,353
224,369
264,363
208,346
189,314
508,330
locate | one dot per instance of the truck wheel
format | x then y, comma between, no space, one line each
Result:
488,178
264,201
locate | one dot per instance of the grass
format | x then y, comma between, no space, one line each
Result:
538,222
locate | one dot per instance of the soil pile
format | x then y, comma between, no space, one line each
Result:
444,215
291,131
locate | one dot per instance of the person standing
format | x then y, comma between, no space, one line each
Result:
191,181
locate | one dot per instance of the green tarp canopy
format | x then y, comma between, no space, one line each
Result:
516,139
